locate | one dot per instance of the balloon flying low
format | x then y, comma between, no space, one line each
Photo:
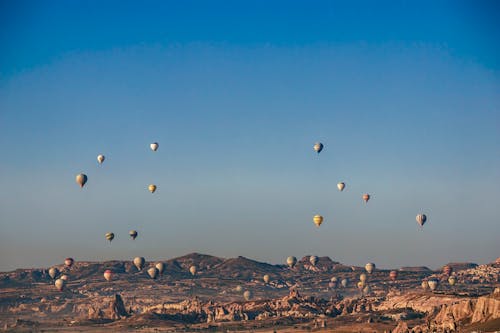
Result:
393,275
433,284
247,295
153,272
81,179
53,272
369,267
291,261
266,279
139,262
344,282
192,270
68,262
108,274
60,283
161,267
313,260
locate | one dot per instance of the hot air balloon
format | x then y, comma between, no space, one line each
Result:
53,272
192,270
361,285
333,282
393,275
362,277
81,179
139,262
425,285
433,284
60,283
341,186
108,274
64,277
239,289
366,197
421,219
318,219
313,260
152,188
369,267
133,234
447,270
291,261
367,290
318,147
154,146
110,236
100,158
153,272
344,282
69,262
266,279
247,295
161,267
452,280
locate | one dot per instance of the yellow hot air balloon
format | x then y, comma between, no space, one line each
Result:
192,270
152,188
341,186
366,197
318,219
60,283
247,295
318,147
108,274
81,179
266,278
100,158
154,146
110,236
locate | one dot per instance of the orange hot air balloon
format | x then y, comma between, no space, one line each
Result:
69,262
393,275
366,197
108,274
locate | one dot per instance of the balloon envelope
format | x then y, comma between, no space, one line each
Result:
366,197
266,278
313,260
341,186
318,219
161,267
100,158
154,146
421,219
393,275
433,284
369,267
344,283
318,147
192,270
68,262
133,234
291,261
452,280
81,179
108,274
247,295
362,277
139,262
153,272
60,283
110,236
53,272
152,188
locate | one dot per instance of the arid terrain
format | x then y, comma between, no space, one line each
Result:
302,298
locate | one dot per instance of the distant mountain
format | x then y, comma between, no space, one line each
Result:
244,268
415,269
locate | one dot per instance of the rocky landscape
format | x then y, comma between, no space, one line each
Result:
231,294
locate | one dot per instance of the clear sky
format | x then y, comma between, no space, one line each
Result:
404,95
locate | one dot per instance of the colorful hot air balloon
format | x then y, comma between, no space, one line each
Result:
110,236
318,219
362,277
53,272
369,267
161,267
266,278
100,158
318,147
247,295
192,270
313,260
447,270
421,219
344,282
153,272
60,283
341,186
68,262
108,274
433,284
133,234
81,179
452,280
154,146
366,197
152,188
291,261
393,275
139,263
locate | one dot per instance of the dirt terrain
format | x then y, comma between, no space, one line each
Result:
302,298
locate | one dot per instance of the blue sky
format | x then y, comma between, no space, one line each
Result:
405,97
